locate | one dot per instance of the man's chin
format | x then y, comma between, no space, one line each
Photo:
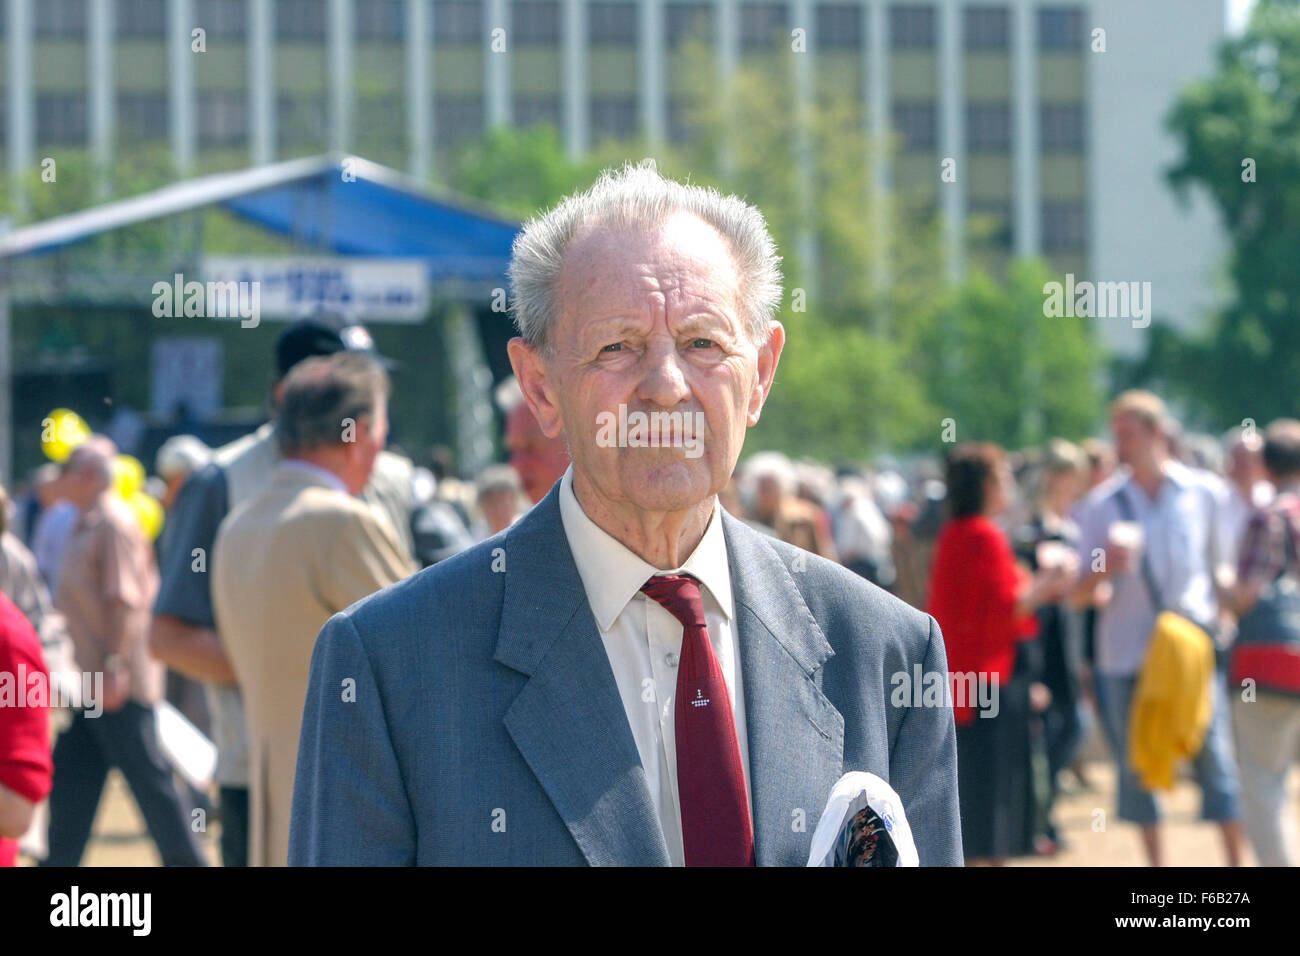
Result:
666,481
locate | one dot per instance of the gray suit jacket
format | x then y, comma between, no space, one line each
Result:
469,715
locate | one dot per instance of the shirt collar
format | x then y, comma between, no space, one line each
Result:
316,471
612,574
1174,472
1179,474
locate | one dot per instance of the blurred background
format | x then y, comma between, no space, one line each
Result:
1104,140
929,168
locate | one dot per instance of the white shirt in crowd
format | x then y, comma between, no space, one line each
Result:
644,644
1185,537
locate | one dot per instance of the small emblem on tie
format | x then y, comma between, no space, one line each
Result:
700,700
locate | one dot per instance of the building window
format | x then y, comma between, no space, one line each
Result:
300,19
61,119
226,19
141,18
223,118
997,216
986,28
457,22
143,116
1060,28
379,19
457,119
688,21
60,18
1062,128
917,126
531,109
760,23
988,127
535,21
1064,227
839,26
614,117
301,120
911,28
612,23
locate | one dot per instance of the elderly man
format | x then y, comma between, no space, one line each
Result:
106,590
627,675
305,547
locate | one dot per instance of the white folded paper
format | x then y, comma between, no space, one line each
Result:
187,749
852,793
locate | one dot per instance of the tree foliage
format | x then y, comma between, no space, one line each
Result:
1239,133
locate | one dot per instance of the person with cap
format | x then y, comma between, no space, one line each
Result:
185,635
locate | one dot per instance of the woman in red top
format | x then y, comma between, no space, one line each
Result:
984,604
26,769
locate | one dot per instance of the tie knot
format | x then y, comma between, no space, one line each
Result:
679,594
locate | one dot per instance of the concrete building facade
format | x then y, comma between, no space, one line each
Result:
1055,129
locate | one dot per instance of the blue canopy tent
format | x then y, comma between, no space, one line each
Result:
338,204
327,205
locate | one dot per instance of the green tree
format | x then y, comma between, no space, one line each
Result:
519,171
1001,370
1239,132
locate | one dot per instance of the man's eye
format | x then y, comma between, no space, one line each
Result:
701,343
613,347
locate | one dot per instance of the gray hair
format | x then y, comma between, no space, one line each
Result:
498,478
322,393
94,458
637,196
181,455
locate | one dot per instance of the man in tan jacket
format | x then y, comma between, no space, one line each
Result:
289,558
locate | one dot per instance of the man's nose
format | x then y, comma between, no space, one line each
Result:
662,380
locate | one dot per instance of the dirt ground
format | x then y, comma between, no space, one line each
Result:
120,838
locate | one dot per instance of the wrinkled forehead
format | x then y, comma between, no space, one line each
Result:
612,263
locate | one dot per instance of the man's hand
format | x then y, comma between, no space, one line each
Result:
15,813
1120,559
117,686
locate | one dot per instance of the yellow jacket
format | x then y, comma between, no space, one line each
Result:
1172,704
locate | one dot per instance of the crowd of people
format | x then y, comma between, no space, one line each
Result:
1046,570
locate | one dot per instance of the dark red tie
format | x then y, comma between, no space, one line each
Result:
716,829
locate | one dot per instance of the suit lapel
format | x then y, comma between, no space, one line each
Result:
568,721
795,734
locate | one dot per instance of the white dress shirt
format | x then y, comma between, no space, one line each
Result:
644,643
324,474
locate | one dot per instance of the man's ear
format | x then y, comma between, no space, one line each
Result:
768,357
530,372
361,429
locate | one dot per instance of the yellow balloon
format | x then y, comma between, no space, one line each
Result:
62,430
149,512
128,476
